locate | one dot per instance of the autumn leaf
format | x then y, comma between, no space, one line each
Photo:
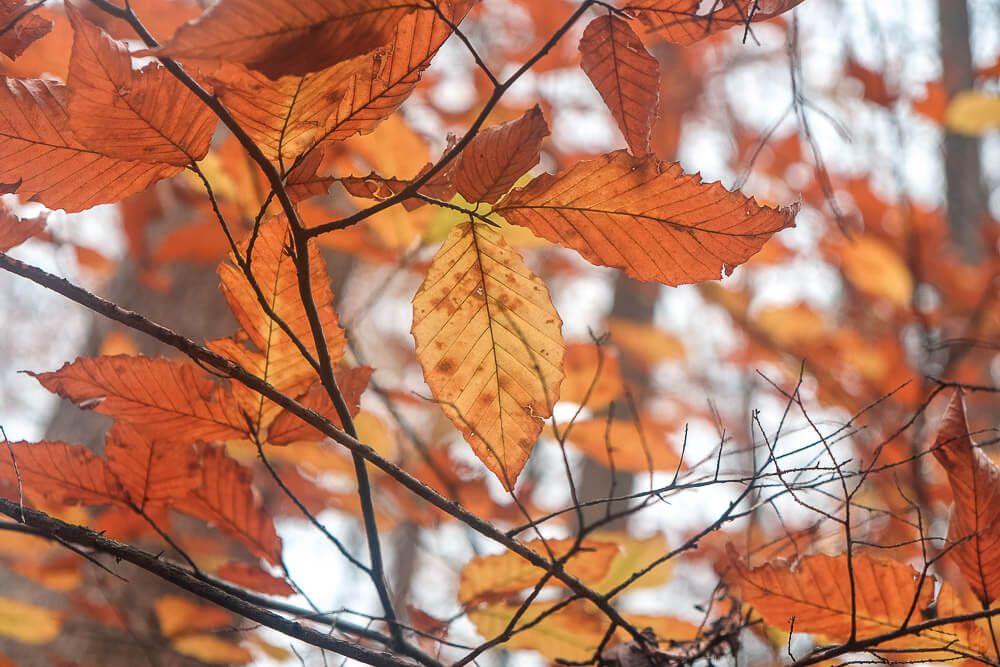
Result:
625,443
14,230
284,37
160,396
152,471
593,376
42,160
20,35
227,500
282,364
816,591
288,116
493,161
287,427
179,614
254,578
687,21
626,76
646,217
497,577
28,623
973,113
212,650
975,486
146,115
572,633
489,341
62,472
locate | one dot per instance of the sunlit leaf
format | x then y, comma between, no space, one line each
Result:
687,21
287,427
152,471
28,623
20,35
63,472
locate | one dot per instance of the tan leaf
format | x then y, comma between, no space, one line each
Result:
146,115
635,555
28,623
152,471
490,344
41,159
687,21
285,37
63,472
493,161
161,396
626,76
975,486
287,427
227,500
497,577
646,217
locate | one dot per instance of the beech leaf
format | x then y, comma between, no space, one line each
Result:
688,21
62,472
152,471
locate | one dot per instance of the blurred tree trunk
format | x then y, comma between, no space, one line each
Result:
966,197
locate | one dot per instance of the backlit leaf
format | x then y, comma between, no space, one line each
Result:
573,633
63,472
211,650
975,486
973,112
28,28
254,578
178,614
14,231
287,427
494,160
490,344
152,471
593,376
646,217
687,21
161,396
146,115
28,623
626,76
41,159
625,445
286,37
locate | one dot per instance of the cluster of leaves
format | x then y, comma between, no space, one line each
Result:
250,113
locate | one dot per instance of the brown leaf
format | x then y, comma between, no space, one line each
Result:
14,231
975,486
494,160
285,37
497,577
626,76
160,396
152,471
146,115
63,472
287,427
254,578
490,344
26,30
685,22
42,160
646,217
227,500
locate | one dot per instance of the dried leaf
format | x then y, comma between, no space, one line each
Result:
42,160
20,35
62,472
645,217
494,160
152,471
160,396
489,342
287,427
626,76
146,115
227,500
14,230
687,21
285,37
975,486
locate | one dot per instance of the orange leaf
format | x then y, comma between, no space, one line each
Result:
227,499
628,447
254,578
28,623
626,76
646,217
178,614
41,159
152,471
212,650
14,231
494,160
682,22
146,115
287,427
975,485
490,344
593,377
161,396
21,34
496,577
63,472
285,37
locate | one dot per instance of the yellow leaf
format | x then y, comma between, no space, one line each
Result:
28,623
573,633
973,112
212,649
178,615
490,344
876,269
635,555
